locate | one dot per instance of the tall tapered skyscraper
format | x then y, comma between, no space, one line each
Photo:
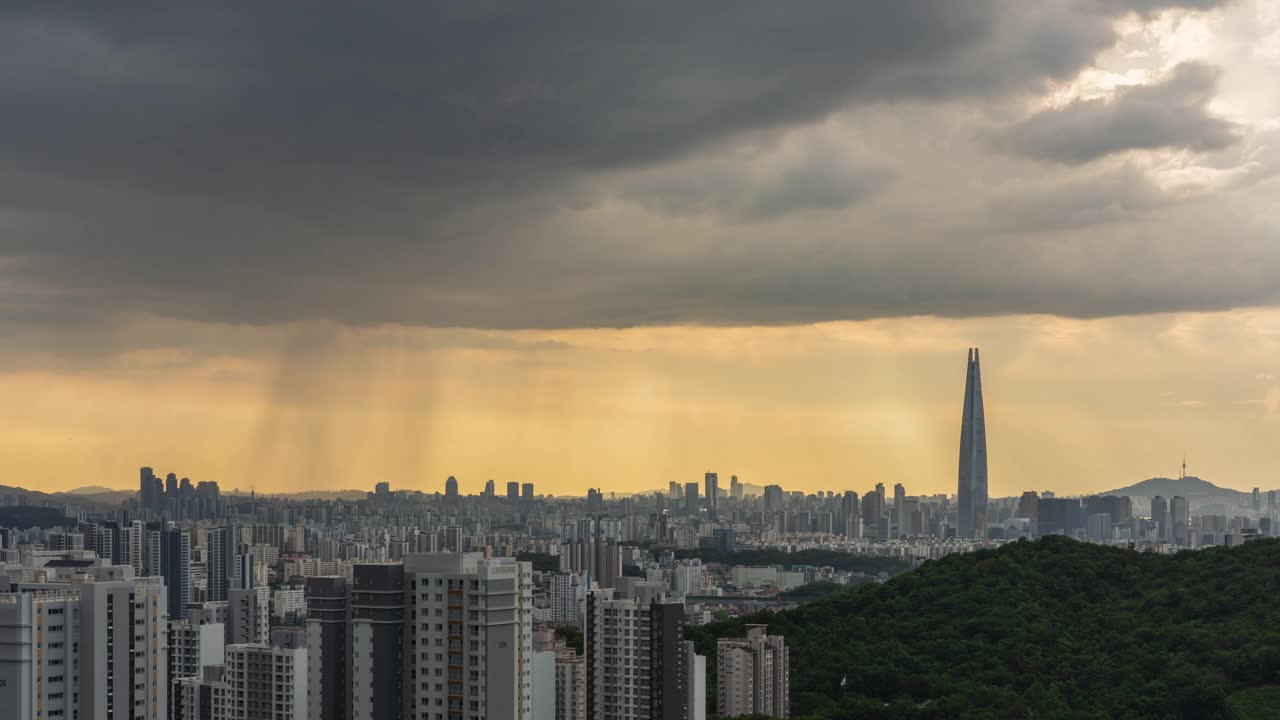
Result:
973,455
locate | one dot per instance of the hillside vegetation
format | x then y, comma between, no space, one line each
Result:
1046,629
1255,704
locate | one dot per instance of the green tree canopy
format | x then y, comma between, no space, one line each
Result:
1047,629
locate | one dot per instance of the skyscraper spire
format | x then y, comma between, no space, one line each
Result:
972,491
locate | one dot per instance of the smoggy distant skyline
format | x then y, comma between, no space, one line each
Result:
617,245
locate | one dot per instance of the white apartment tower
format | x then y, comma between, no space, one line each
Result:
195,642
39,668
567,598
86,649
753,675
687,577
471,643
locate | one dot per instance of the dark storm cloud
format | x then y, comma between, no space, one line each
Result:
1172,113
394,162
440,93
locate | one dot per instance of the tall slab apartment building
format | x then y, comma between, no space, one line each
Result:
442,636
83,642
639,666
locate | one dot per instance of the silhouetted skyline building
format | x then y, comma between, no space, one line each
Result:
691,498
972,492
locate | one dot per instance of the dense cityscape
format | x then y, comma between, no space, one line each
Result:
188,603
601,360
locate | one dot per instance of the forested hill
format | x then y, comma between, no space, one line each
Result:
1047,629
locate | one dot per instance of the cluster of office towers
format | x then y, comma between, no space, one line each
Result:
178,498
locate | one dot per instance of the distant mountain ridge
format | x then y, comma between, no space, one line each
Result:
90,490
1189,486
113,496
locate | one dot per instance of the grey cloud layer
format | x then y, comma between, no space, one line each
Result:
444,164
1172,113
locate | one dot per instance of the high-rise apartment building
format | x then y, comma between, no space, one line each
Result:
248,616
910,517
901,521
725,540
687,577
93,648
195,642
1180,517
1028,505
571,686
753,675
711,487
328,615
513,491
451,488
262,681
1160,517
696,685
175,567
569,676
773,498
526,492
638,666
216,563
972,493
39,658
691,498
850,509
1058,516
378,642
567,597
1100,527
471,637
873,510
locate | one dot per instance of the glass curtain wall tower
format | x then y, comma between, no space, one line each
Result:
972,493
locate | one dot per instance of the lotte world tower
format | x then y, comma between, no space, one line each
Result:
972,493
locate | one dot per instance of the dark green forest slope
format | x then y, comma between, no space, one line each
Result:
1047,629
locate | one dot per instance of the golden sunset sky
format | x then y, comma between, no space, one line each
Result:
630,245
1072,405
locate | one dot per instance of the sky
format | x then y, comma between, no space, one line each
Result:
616,245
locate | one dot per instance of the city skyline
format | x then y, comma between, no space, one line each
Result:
837,464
